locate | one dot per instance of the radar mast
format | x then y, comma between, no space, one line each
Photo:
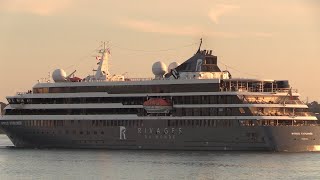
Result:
102,72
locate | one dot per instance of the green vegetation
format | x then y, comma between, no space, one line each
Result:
315,107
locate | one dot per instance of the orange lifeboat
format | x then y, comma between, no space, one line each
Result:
157,105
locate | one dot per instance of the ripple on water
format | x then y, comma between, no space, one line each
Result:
116,164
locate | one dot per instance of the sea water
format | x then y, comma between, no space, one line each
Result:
126,164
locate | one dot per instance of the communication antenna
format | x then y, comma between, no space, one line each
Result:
200,45
72,74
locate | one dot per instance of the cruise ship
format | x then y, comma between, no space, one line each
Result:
189,106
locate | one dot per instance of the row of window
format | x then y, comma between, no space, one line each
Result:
276,122
170,123
108,111
138,111
44,123
285,122
84,100
220,99
201,123
67,132
211,112
127,123
83,123
125,89
175,112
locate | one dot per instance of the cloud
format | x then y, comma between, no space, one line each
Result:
150,26
156,27
220,10
38,7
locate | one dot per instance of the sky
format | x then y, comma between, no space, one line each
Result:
252,38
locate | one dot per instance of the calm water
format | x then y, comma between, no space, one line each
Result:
106,164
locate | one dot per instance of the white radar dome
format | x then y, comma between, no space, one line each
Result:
173,65
159,68
59,75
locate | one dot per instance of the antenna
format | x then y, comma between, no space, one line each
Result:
72,74
104,45
200,45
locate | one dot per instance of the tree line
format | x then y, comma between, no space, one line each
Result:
314,106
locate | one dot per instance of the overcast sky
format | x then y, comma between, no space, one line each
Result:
252,38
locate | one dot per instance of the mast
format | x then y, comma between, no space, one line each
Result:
200,45
102,72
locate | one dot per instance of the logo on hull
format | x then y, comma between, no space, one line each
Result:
123,133
199,64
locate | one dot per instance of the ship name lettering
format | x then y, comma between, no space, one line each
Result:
13,123
159,131
307,133
166,130
302,133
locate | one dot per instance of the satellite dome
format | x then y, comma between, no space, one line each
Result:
59,75
159,68
173,65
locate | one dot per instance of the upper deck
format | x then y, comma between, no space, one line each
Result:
166,86
200,73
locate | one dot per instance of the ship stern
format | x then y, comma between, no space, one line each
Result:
294,138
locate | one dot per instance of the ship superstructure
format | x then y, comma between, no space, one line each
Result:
188,106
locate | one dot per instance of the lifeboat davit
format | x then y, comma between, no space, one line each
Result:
157,105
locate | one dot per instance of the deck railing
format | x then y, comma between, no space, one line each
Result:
22,93
244,89
138,79
291,114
